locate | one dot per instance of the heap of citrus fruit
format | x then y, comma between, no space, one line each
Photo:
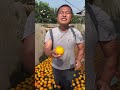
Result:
28,84
44,79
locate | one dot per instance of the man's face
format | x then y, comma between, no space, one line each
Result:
64,16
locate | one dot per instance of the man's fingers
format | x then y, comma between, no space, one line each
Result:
55,55
77,66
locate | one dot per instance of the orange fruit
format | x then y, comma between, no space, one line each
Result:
51,88
59,50
38,86
82,81
58,87
75,88
78,85
44,85
74,75
83,88
55,86
48,85
49,82
73,84
45,89
77,82
41,88
82,85
79,89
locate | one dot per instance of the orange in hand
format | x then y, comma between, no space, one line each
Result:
59,50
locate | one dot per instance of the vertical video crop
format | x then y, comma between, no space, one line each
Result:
18,45
102,38
59,45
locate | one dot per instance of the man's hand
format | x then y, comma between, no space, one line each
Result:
54,54
80,55
77,65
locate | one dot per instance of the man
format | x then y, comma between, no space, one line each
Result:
9,43
63,65
106,37
25,34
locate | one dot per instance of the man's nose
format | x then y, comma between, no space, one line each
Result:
64,14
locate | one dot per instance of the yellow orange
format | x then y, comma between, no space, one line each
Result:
79,89
59,50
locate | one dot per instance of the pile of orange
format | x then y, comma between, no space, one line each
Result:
28,84
44,79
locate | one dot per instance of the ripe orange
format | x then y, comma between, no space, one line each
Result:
59,50
41,88
73,84
79,89
83,88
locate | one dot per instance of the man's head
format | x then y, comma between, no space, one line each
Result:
64,15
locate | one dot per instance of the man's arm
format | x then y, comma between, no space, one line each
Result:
29,53
47,47
80,55
48,51
110,52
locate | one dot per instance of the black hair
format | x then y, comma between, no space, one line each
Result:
64,5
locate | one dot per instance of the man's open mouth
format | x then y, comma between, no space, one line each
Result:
64,19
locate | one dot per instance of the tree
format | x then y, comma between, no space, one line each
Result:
45,14
76,19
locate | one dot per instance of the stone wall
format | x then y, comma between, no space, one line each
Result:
40,31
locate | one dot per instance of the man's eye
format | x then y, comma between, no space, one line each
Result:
67,12
61,12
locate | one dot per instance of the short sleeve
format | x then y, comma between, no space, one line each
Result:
79,37
21,16
47,36
106,28
29,26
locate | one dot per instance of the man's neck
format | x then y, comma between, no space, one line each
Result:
64,28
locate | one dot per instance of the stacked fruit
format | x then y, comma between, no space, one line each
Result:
28,84
44,79
79,82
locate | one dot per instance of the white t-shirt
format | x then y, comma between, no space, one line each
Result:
106,32
67,40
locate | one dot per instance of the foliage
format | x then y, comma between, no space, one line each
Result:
45,14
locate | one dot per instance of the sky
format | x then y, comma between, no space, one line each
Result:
79,4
